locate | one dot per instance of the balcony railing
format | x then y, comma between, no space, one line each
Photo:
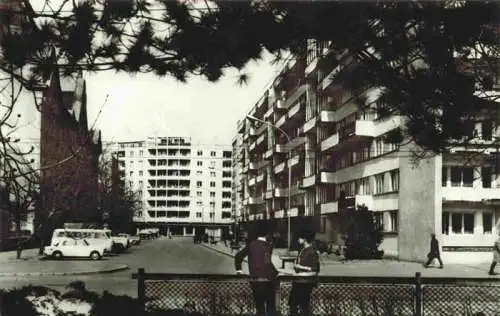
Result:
225,295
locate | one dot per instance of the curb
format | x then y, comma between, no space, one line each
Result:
110,270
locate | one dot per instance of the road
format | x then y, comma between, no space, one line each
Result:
175,256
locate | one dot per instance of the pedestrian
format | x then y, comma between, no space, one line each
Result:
496,255
306,268
434,253
263,273
169,235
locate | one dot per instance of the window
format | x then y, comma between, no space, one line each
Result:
198,214
212,204
487,223
212,184
198,184
227,163
198,194
468,176
226,215
462,223
199,163
212,194
379,183
445,223
212,215
322,228
395,180
226,204
486,176
226,195
212,164
212,173
141,184
131,173
199,173
444,176
455,176
212,154
226,184
226,174
378,217
487,129
393,225
131,154
199,203
200,153
141,153
141,173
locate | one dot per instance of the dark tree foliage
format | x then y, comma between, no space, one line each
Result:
361,235
430,58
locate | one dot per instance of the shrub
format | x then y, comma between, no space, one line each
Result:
362,236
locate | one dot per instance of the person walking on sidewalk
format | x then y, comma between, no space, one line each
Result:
306,270
434,253
263,273
496,255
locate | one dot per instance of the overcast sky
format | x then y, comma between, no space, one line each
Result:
145,105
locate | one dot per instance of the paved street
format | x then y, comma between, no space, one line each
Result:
177,256
182,256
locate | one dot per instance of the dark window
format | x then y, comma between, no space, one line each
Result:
226,204
486,174
487,129
444,176
227,154
455,176
445,223
468,176
456,223
468,223
226,174
226,214
487,223
227,163
226,184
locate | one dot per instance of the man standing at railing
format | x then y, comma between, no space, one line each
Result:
306,270
263,274
496,255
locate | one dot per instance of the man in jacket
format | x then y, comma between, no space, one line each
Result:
434,253
306,269
263,274
496,255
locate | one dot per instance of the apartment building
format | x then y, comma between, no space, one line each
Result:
184,187
308,126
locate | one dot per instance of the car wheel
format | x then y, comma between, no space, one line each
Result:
57,255
94,255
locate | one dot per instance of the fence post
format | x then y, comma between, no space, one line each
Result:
141,289
418,294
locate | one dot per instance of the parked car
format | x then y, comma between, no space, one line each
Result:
120,243
133,240
74,248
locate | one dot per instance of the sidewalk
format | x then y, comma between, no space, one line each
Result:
333,266
31,265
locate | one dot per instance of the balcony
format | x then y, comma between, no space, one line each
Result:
252,131
294,111
329,208
309,125
281,192
268,194
240,125
281,121
280,148
269,153
293,98
327,116
261,129
311,66
270,111
469,194
251,182
327,177
279,168
252,146
330,142
260,178
295,142
252,166
309,181
330,78
260,139
294,161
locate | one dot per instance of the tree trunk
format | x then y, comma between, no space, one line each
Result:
19,246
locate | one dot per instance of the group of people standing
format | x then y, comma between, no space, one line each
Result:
264,275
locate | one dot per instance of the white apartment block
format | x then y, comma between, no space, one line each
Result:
329,144
185,187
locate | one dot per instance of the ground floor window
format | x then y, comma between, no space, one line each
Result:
488,223
378,217
393,225
322,226
458,222
189,230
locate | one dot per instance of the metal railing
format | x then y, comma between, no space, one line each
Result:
224,295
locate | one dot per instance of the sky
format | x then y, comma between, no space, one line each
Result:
146,105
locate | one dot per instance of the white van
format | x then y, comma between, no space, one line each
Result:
93,236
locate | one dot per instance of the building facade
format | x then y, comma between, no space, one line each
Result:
185,187
69,155
308,127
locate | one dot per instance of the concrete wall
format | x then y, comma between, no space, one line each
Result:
390,245
419,204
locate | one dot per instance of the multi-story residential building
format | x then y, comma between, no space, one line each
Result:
184,187
316,132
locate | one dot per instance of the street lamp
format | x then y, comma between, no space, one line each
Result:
250,117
